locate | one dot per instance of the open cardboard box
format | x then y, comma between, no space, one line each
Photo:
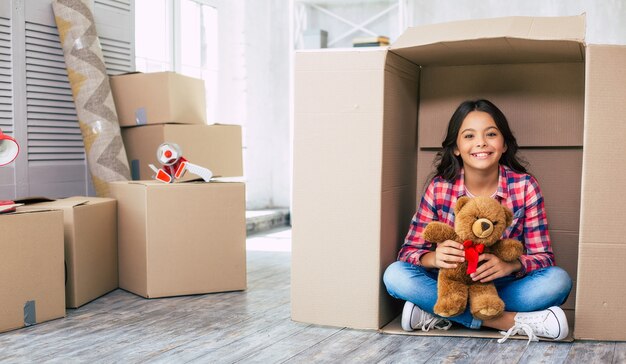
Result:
90,231
368,124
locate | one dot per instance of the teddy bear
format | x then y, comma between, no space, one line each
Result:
478,225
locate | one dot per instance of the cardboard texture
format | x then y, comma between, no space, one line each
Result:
31,268
90,225
506,40
553,93
158,98
601,288
217,147
374,119
349,121
182,238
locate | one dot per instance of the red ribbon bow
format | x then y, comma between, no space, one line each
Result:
472,251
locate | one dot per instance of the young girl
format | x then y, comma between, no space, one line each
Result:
479,159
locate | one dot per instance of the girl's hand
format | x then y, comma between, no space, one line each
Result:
493,268
448,254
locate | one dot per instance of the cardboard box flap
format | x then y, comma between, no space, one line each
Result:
148,182
501,40
44,203
26,209
65,203
126,73
141,182
138,73
603,155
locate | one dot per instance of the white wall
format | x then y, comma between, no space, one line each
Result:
378,17
254,92
606,19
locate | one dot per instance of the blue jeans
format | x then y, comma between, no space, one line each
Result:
535,291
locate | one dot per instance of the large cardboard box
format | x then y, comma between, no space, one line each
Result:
181,238
90,225
157,98
373,119
31,268
217,147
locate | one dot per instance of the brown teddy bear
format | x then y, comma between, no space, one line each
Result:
479,224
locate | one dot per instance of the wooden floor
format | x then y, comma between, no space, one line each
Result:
254,327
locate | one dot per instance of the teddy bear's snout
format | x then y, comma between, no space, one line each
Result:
482,228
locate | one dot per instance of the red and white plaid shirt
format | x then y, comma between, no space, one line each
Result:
518,191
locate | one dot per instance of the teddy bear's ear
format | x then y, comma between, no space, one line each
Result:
460,203
508,214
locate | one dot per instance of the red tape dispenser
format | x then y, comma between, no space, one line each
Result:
170,155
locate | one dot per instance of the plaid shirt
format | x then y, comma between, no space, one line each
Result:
519,192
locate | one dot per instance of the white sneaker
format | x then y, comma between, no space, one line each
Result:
550,323
414,318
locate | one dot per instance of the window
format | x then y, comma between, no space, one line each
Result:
152,41
180,36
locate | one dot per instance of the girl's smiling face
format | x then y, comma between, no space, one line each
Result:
480,143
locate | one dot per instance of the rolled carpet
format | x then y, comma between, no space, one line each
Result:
106,156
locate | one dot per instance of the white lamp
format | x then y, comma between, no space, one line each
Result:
9,149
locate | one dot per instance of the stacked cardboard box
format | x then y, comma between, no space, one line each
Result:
31,268
181,238
154,108
185,237
388,109
90,225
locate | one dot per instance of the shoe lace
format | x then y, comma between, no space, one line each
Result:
434,322
519,328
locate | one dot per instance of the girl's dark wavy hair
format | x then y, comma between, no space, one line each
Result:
448,166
